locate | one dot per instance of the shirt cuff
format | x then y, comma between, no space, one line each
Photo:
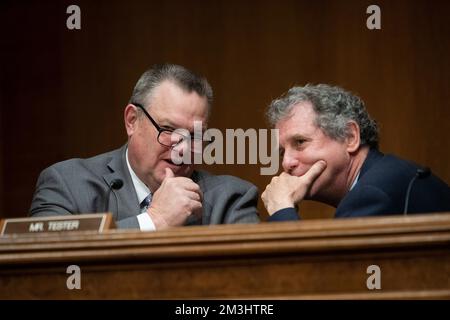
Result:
286,214
145,222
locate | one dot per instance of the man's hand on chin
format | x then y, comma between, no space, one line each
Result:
286,191
175,201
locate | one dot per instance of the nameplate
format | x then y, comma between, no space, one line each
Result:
83,222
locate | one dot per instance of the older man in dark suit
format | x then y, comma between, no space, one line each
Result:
157,192
329,146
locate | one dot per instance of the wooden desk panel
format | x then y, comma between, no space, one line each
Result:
308,259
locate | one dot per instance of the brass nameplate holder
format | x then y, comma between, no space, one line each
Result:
82,222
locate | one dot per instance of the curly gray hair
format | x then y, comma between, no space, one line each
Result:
334,107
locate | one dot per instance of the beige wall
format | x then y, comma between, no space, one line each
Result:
62,92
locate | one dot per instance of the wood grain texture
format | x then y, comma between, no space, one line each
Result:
323,259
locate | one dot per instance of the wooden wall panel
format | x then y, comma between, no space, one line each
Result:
63,92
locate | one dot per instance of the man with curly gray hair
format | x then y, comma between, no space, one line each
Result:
329,147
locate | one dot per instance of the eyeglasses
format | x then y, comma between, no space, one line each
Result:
172,138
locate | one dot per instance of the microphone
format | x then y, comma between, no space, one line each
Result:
115,184
421,173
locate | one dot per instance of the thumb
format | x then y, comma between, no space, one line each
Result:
314,172
169,173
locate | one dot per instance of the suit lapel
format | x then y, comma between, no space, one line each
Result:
127,202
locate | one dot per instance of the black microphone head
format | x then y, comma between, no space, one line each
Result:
423,172
116,184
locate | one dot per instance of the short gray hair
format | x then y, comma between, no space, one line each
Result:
184,78
334,107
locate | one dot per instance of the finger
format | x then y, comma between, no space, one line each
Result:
200,193
195,206
198,213
169,173
183,180
314,172
187,184
194,196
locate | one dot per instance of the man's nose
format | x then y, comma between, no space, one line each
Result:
289,162
183,147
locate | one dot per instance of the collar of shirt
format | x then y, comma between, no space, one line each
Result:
142,191
354,182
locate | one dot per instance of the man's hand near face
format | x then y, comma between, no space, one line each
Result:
175,200
286,191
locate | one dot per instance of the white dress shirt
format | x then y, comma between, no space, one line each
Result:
142,191
355,182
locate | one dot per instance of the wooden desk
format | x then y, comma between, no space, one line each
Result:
323,259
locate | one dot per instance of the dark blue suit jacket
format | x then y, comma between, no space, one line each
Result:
381,190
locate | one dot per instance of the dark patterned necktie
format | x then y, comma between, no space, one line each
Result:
146,202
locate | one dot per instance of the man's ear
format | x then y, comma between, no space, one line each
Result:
130,116
353,138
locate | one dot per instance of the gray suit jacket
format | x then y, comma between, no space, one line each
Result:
81,186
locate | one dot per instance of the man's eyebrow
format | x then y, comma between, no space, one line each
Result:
167,124
299,137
